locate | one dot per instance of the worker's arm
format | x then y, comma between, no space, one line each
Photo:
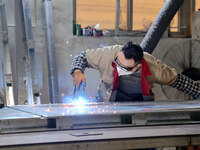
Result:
79,62
78,67
187,85
99,59
168,76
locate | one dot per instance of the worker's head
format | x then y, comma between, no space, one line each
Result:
130,57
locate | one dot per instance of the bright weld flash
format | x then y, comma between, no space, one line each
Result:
80,101
79,104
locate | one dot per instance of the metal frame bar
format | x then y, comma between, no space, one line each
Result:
51,53
31,69
6,57
2,78
117,17
193,5
184,18
74,17
129,15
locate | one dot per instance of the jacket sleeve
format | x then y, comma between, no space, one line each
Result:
161,73
101,57
79,62
187,85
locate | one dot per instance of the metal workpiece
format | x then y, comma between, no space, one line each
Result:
51,53
75,109
96,115
160,24
9,114
13,120
101,125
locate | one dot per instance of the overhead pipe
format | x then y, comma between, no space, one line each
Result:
160,24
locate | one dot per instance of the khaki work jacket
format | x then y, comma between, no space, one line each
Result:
102,58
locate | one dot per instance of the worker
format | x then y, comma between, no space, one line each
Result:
128,74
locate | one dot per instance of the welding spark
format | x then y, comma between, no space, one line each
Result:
77,101
78,104
80,101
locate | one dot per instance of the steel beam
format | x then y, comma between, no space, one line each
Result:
30,52
25,47
25,35
6,57
51,53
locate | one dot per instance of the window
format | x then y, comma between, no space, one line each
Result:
133,15
91,12
197,5
145,12
174,24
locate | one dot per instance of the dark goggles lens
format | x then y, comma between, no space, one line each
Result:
122,67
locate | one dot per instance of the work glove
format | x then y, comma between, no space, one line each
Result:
78,77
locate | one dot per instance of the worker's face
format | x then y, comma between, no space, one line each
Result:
127,64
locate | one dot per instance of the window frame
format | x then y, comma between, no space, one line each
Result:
184,19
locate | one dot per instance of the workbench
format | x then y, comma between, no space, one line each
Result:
99,126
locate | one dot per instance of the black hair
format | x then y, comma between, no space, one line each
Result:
133,51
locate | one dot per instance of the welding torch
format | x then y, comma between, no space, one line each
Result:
80,90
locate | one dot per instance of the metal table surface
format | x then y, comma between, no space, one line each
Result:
53,110
6,114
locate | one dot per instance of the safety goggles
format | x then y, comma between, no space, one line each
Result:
117,62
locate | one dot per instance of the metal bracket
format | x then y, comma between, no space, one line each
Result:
4,36
139,119
30,44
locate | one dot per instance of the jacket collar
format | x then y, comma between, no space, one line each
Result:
145,69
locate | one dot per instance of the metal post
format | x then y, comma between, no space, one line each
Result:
24,44
160,24
6,56
185,16
129,15
74,17
2,80
117,17
31,67
51,52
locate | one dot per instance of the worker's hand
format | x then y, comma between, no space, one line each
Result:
78,78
